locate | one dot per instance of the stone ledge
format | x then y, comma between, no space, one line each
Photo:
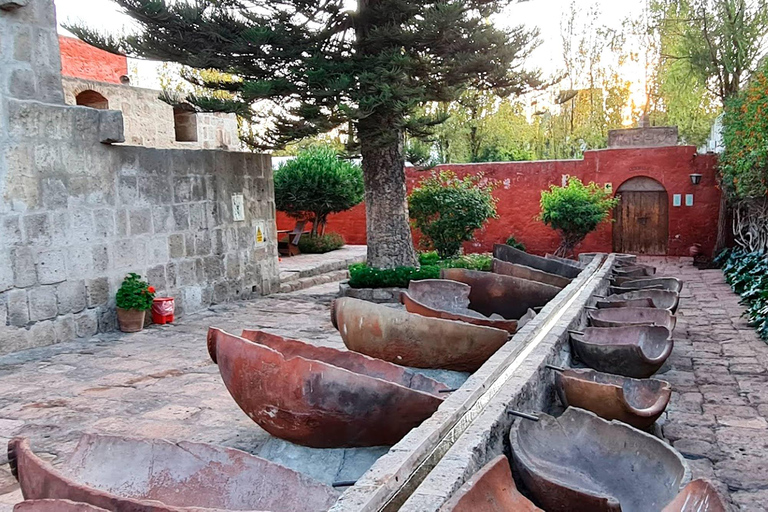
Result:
308,282
377,295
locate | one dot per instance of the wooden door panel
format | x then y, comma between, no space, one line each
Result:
642,223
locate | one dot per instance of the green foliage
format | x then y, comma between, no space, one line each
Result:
135,293
514,243
447,210
320,244
363,276
747,273
744,164
317,183
480,262
575,210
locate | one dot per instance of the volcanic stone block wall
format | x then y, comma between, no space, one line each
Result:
149,121
77,212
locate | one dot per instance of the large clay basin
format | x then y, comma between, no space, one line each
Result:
661,299
516,270
620,317
697,496
449,300
636,402
153,475
512,255
509,297
414,340
491,489
635,351
319,396
671,284
582,462
56,506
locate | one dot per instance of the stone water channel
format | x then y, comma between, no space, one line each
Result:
423,470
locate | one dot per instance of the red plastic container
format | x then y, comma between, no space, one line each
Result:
162,310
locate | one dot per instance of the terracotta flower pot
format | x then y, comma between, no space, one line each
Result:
130,320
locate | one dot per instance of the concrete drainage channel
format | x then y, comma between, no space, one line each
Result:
423,470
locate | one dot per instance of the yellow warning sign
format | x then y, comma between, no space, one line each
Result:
259,235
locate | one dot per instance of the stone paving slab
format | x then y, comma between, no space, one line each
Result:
718,415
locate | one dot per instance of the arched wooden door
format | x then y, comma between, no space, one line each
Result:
642,217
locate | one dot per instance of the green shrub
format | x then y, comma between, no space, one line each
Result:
469,261
317,183
575,210
747,273
514,243
135,293
363,276
447,210
319,244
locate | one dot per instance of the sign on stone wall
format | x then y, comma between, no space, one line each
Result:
648,137
238,208
261,235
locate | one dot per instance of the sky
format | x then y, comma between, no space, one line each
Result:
544,14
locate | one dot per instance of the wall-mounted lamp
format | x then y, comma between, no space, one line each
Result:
695,178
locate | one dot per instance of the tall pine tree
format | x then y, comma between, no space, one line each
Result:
314,65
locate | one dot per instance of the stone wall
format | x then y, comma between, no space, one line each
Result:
30,67
149,121
77,212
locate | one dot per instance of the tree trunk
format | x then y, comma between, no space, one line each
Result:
390,243
723,224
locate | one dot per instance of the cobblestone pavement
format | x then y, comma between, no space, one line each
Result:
161,383
718,371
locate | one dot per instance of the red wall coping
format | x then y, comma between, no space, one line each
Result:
521,183
81,60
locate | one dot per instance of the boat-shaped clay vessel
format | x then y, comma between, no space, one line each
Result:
56,506
636,402
647,298
414,340
567,261
671,284
697,496
491,489
153,475
449,300
512,255
621,317
532,274
637,351
319,396
509,297
580,461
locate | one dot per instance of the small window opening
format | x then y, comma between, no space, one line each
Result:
92,99
185,124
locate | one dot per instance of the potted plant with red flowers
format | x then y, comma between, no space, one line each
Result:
134,299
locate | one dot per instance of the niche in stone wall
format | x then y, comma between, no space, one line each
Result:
185,124
92,99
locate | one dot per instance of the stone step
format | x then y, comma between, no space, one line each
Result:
301,283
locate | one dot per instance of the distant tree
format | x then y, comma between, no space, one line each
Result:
575,210
312,67
316,184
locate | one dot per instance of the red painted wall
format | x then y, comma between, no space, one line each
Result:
521,183
81,60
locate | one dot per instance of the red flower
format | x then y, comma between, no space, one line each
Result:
151,289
